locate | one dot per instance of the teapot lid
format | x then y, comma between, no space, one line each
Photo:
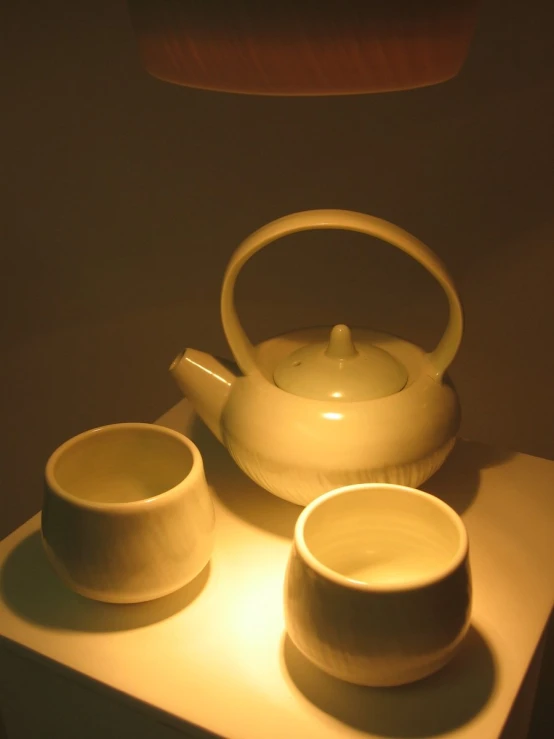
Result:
339,370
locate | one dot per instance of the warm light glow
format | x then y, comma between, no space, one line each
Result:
333,416
303,48
336,395
254,618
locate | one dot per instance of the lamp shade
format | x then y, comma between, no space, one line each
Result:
303,47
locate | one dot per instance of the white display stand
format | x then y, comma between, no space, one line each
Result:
213,659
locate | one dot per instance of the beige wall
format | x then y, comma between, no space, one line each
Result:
123,197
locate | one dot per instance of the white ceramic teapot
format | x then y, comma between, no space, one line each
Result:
322,408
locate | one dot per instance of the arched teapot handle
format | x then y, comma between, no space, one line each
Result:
243,351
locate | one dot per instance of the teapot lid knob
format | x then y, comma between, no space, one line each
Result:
340,343
340,370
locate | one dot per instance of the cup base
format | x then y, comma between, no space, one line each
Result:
384,674
114,597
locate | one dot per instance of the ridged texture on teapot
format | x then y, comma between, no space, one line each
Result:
301,486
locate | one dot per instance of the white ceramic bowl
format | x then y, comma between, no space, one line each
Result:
378,587
127,513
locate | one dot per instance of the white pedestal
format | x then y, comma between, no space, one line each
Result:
213,659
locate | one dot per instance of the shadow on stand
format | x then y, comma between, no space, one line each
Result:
436,705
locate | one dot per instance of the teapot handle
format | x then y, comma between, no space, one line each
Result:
243,351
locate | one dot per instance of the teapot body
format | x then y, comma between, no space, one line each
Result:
311,412
299,448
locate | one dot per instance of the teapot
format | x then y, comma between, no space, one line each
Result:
322,408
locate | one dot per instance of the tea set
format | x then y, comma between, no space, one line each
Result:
345,422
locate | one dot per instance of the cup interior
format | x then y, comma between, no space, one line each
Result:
120,463
382,536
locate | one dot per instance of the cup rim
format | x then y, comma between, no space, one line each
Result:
128,506
342,580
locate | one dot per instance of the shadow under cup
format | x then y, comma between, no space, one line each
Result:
127,513
378,587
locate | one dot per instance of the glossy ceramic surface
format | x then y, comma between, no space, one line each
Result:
127,513
378,587
300,447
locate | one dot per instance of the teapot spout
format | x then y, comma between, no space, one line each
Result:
206,383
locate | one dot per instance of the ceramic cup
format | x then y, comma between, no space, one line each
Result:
378,588
127,513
